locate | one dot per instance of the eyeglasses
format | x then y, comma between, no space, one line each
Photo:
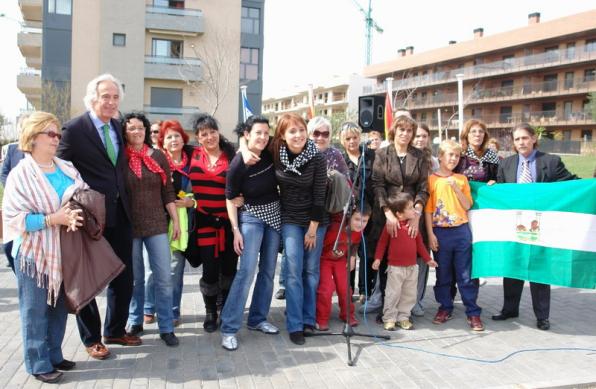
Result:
53,134
322,134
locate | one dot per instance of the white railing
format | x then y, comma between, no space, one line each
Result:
157,59
174,11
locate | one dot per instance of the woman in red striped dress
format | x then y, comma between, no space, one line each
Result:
208,168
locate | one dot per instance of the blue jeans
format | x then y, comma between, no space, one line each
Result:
42,325
282,270
177,271
261,242
455,262
158,254
302,276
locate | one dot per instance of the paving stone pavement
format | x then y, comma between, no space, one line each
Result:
430,356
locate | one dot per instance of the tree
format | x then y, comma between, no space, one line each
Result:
55,98
219,61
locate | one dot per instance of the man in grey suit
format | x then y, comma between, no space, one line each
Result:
529,165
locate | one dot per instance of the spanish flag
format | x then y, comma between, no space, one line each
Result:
388,114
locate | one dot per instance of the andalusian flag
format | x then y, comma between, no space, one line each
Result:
542,232
388,114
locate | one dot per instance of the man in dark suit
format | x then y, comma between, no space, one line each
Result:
529,165
94,144
12,158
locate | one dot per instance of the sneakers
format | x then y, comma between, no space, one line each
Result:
441,317
405,324
229,342
475,323
389,326
265,327
280,294
297,338
169,338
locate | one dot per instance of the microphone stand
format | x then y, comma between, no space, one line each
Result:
348,330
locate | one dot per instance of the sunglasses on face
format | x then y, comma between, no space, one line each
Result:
53,134
322,134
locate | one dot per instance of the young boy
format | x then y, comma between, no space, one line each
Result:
333,266
450,237
402,272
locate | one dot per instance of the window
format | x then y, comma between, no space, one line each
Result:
550,82
166,97
549,110
567,109
590,45
505,114
423,117
506,87
477,113
568,80
167,48
508,60
169,3
587,135
249,63
251,19
570,51
60,7
589,74
118,39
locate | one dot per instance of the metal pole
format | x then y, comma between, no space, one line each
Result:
439,119
460,101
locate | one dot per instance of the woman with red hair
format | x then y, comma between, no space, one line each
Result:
301,172
173,141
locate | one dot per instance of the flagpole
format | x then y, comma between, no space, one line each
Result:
243,94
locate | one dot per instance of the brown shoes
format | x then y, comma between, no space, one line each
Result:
125,340
98,351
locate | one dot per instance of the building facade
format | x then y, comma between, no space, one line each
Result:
174,57
337,97
542,74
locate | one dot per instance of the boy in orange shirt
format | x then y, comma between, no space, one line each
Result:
402,269
449,235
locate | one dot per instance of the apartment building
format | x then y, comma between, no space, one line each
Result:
541,73
337,95
174,57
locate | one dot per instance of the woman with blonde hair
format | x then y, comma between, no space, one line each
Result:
478,162
34,209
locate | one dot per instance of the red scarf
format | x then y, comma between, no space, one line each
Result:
178,167
136,157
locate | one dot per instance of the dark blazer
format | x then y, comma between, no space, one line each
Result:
82,145
549,168
13,157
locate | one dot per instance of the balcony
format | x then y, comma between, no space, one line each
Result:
174,20
29,42
508,66
31,9
29,82
183,114
171,68
535,118
499,94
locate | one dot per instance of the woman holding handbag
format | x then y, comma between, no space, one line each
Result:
209,166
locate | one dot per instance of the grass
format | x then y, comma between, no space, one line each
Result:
582,165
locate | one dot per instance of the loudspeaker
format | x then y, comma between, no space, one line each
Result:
371,113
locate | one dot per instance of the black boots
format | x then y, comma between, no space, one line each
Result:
210,323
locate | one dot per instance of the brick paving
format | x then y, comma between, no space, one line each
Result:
427,357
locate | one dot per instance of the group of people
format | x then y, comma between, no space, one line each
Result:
235,211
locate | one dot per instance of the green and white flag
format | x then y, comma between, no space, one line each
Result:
541,232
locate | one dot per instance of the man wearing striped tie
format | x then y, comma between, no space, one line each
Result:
527,166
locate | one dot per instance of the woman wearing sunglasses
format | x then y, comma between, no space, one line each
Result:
319,130
35,206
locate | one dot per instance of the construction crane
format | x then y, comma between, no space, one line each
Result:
369,25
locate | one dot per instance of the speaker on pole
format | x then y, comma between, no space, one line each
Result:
371,111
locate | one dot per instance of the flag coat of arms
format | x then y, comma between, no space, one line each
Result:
540,232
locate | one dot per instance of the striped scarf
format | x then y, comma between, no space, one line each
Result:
28,191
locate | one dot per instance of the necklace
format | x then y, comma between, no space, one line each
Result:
50,166
402,158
